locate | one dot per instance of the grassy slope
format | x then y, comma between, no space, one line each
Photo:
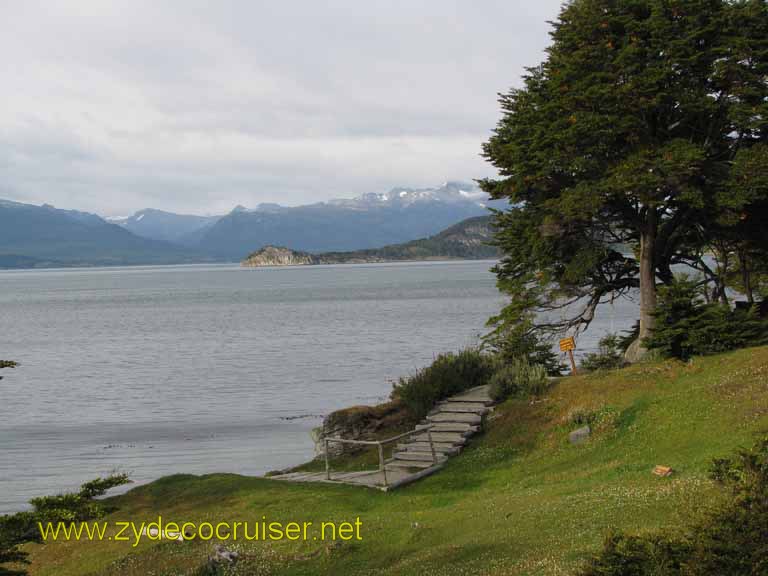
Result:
520,500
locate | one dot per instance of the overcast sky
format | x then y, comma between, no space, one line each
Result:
195,107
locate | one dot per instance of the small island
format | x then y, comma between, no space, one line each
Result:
467,240
278,256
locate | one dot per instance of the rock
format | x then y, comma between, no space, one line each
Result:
580,435
317,437
636,352
222,556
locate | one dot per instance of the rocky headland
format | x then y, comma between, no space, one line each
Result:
468,240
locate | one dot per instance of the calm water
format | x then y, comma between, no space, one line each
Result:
202,369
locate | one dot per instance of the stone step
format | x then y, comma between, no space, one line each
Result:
399,464
416,444
442,450
455,417
453,438
417,456
479,394
486,401
462,428
460,407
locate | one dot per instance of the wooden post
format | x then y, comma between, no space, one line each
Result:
431,446
573,362
327,463
382,466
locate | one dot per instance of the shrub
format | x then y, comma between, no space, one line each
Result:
521,340
728,542
22,527
686,326
609,355
732,539
449,374
644,555
520,378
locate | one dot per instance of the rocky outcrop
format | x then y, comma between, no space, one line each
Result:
357,423
278,256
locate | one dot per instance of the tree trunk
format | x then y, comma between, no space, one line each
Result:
746,276
647,276
722,272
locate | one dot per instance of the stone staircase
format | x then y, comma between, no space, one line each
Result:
450,424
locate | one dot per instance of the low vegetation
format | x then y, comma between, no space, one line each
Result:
519,500
519,379
449,374
511,341
609,355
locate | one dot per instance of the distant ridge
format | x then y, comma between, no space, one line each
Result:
367,221
166,226
467,240
44,236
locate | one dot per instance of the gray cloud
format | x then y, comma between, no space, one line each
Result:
197,106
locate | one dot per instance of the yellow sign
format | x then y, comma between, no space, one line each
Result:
567,344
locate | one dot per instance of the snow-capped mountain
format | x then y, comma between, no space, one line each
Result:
367,221
161,225
448,192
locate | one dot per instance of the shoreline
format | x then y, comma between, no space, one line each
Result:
233,265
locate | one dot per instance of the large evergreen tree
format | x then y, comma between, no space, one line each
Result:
618,151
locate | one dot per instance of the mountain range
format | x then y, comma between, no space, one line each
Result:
166,226
44,236
35,236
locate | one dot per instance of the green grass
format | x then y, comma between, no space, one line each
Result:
519,500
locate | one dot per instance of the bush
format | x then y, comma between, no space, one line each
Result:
521,340
449,374
609,355
520,378
686,326
22,527
728,542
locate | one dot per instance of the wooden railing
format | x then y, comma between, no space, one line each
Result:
380,446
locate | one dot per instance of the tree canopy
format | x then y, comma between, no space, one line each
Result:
640,143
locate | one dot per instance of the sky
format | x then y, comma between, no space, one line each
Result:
198,106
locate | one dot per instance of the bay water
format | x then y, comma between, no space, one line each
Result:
215,368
